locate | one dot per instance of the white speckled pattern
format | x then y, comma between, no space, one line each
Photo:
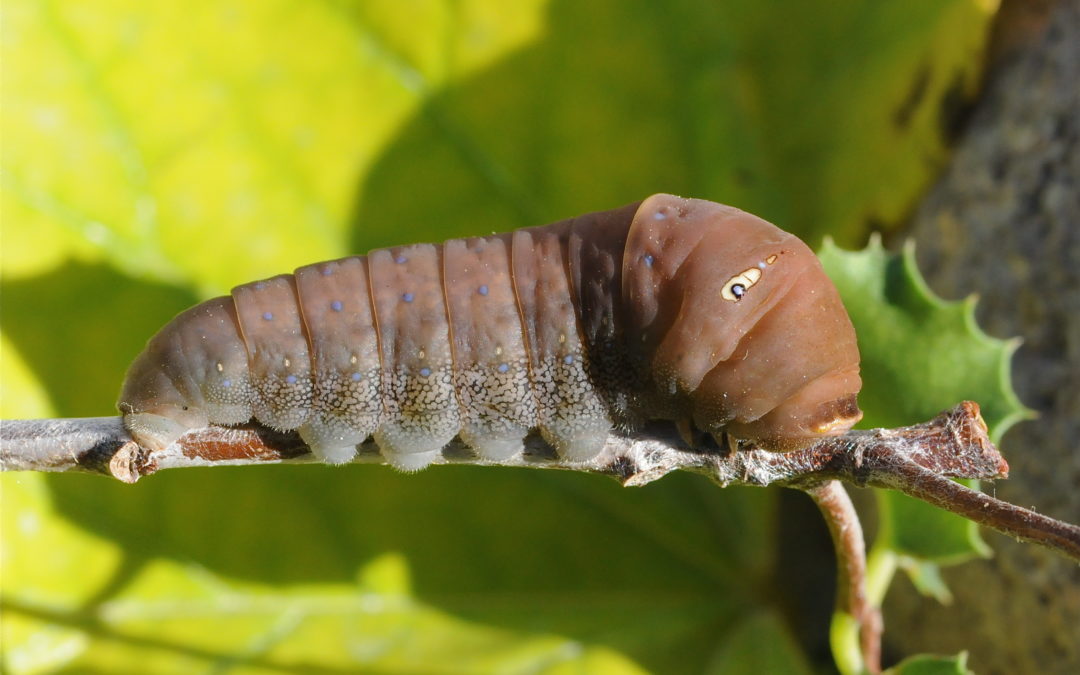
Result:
336,305
491,359
421,408
278,358
572,415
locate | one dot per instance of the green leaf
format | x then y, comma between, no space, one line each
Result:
922,533
920,355
761,644
927,576
280,568
932,665
209,143
158,153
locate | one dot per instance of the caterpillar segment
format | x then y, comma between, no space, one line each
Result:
670,308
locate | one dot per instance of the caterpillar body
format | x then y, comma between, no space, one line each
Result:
669,308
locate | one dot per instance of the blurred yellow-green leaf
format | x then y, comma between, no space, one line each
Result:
157,153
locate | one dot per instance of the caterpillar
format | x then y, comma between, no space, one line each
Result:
669,308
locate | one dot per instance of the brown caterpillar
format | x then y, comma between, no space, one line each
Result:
669,308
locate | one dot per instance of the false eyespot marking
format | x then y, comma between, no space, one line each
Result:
604,321
736,287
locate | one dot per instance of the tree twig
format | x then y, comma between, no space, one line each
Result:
980,507
915,460
852,600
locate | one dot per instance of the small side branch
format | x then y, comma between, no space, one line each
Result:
853,604
983,509
916,460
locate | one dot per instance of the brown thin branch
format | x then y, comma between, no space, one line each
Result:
983,509
852,598
915,460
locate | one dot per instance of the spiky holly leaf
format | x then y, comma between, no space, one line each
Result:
920,355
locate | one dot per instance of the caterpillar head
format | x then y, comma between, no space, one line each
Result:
739,323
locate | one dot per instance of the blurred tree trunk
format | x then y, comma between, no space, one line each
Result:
1004,222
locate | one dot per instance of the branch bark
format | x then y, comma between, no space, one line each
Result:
916,460
852,599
